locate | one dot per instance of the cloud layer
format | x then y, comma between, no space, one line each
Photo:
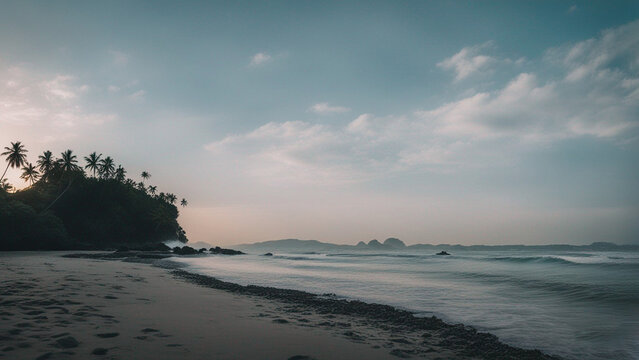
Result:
49,104
594,94
260,59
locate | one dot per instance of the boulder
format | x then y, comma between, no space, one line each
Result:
220,251
185,250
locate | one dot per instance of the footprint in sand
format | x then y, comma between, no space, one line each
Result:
107,335
99,351
66,342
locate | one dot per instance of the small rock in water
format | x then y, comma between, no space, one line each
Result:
442,253
268,254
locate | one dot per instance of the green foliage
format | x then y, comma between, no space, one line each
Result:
67,210
21,228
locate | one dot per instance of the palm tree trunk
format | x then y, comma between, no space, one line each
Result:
59,196
5,172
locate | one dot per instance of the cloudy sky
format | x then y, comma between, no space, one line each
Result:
435,122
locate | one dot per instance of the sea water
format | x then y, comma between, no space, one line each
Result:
579,305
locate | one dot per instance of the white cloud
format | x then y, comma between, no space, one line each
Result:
595,94
49,105
119,58
138,96
260,59
468,61
325,108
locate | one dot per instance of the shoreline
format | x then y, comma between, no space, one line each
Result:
433,331
282,322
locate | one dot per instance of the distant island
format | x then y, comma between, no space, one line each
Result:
394,244
67,206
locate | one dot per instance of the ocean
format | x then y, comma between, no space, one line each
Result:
579,305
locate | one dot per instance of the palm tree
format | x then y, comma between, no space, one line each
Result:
141,186
184,202
93,162
120,173
68,162
45,163
107,167
16,156
171,198
152,190
4,185
29,173
145,175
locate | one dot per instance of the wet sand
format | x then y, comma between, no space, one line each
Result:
52,307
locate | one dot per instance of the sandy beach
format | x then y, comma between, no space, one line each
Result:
53,307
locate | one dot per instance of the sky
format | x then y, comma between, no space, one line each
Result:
484,122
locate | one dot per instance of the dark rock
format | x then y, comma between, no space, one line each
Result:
268,254
220,251
442,253
67,342
400,341
185,250
280,321
353,336
149,330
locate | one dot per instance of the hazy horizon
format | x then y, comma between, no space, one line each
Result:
433,122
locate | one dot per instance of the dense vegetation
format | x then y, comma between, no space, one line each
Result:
67,208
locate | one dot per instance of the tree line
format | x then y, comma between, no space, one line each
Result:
49,168
88,204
